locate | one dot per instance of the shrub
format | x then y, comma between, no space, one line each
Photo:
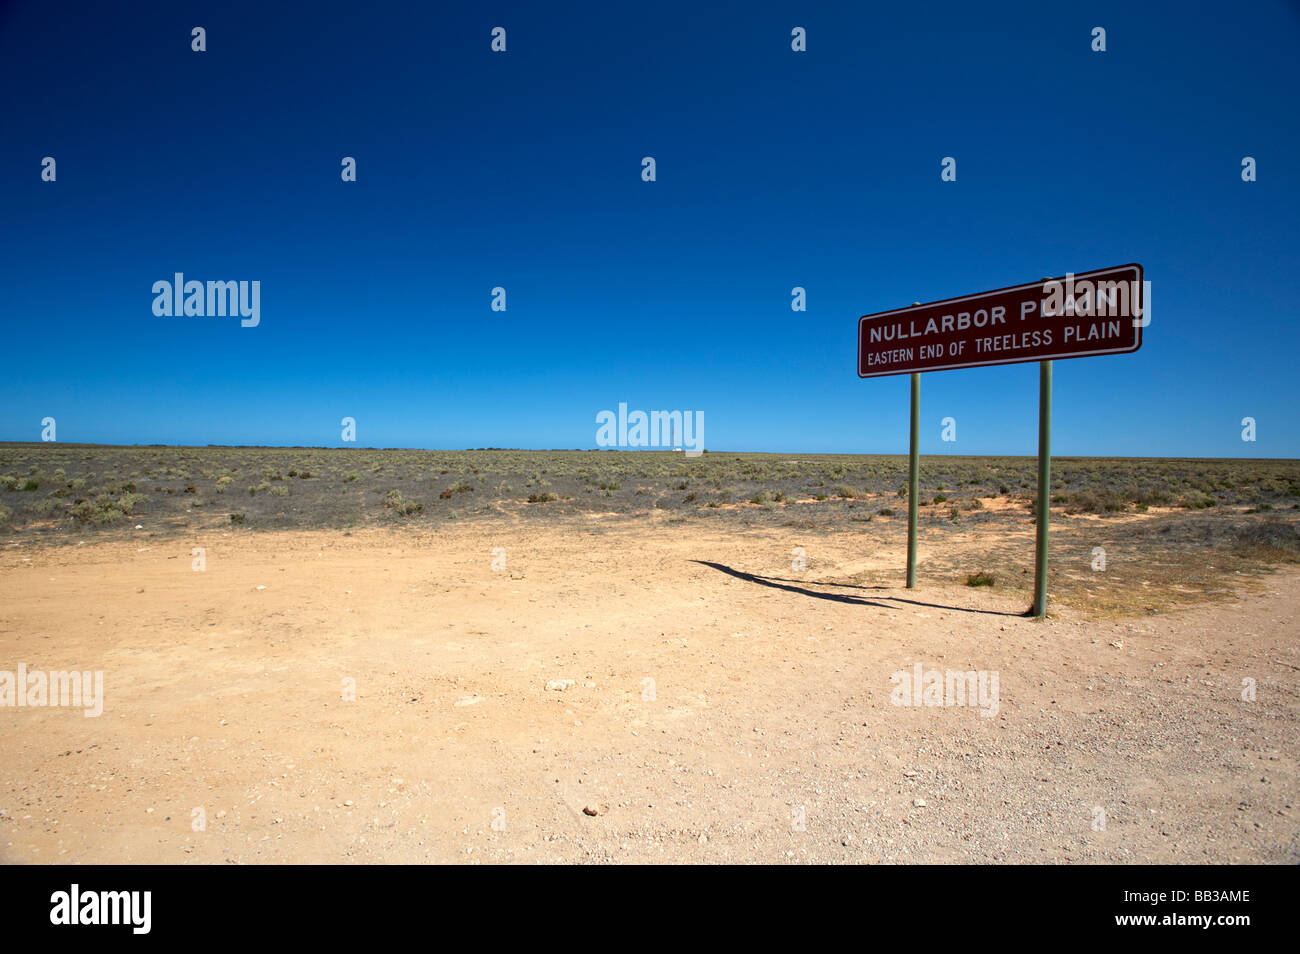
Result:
979,579
236,518
394,502
542,498
1095,501
1273,540
86,511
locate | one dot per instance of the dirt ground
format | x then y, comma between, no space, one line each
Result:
724,706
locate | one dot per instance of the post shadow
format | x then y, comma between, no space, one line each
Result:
788,585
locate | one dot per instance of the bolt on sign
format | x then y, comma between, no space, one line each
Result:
1090,313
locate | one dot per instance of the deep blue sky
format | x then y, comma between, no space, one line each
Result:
522,170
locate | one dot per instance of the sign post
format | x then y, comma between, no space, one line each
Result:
1089,313
913,480
1044,486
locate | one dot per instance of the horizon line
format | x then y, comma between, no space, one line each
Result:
629,450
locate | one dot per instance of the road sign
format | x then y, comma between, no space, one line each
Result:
1090,313
1099,312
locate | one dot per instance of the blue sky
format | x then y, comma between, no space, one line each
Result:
523,170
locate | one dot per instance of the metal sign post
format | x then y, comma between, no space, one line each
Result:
913,480
1044,486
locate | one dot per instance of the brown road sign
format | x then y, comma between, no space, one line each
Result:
1089,313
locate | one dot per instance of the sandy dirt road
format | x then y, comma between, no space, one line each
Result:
723,707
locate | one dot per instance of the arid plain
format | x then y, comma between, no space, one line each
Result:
508,656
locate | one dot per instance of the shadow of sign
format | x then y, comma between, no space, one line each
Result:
789,586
